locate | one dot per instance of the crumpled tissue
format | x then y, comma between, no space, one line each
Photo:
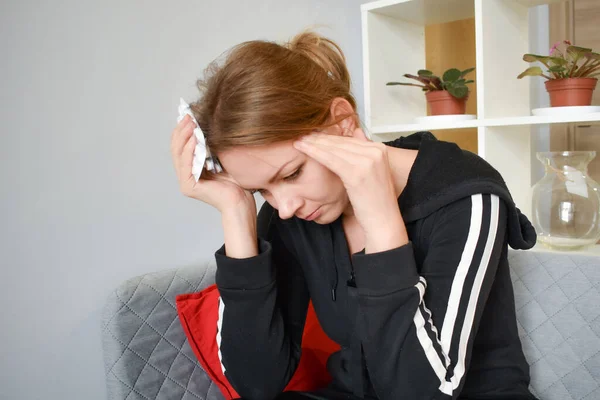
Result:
202,156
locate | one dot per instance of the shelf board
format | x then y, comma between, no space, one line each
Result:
533,3
423,12
536,120
430,126
491,122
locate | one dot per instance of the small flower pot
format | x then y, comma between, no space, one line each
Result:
571,91
443,103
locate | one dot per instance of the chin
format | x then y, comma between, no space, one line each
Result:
328,217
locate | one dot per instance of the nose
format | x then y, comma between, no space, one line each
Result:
287,203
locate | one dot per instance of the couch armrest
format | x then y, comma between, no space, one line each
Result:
146,353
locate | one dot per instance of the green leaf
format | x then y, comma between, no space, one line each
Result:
452,74
459,92
466,71
422,79
556,68
576,51
469,81
424,72
558,60
535,57
531,71
591,55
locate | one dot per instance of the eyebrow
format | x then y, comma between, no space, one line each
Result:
280,169
274,177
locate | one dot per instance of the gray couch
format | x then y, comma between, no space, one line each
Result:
557,298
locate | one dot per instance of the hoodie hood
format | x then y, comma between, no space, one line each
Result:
444,173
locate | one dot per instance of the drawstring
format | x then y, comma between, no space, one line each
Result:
333,280
335,283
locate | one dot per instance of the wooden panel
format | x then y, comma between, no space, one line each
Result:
577,20
586,18
449,45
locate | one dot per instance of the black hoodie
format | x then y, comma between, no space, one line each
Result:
433,319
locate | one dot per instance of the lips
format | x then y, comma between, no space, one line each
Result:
313,215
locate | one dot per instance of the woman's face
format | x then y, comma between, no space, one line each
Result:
289,180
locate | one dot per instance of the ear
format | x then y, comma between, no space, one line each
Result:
348,126
341,108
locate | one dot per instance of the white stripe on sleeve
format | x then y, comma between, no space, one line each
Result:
461,272
219,327
421,316
467,327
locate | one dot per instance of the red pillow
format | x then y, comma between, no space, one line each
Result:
199,314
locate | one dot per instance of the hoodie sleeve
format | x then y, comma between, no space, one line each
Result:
263,305
412,353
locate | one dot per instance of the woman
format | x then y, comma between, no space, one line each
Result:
402,246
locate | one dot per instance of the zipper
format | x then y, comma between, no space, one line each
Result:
352,281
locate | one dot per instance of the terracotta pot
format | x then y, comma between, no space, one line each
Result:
571,91
441,102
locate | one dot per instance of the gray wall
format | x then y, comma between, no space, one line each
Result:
89,93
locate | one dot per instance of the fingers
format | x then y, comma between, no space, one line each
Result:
351,150
181,125
349,158
179,137
181,134
186,160
325,155
353,144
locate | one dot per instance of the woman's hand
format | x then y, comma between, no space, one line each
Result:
221,191
364,169
237,206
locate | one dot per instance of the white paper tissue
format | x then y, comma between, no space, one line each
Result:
202,156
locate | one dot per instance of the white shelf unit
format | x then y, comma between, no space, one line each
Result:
394,43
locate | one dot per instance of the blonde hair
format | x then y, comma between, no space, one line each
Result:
266,93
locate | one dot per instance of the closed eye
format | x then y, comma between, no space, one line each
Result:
290,178
294,175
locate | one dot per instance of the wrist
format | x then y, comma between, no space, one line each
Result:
239,229
243,214
387,234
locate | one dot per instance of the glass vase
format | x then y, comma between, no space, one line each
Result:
566,201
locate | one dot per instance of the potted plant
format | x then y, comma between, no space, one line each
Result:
570,73
445,95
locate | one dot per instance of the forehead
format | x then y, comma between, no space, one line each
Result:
253,166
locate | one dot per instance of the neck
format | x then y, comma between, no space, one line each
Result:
401,162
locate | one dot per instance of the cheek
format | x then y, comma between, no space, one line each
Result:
323,182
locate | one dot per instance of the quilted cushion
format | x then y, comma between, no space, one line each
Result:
557,298
146,353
